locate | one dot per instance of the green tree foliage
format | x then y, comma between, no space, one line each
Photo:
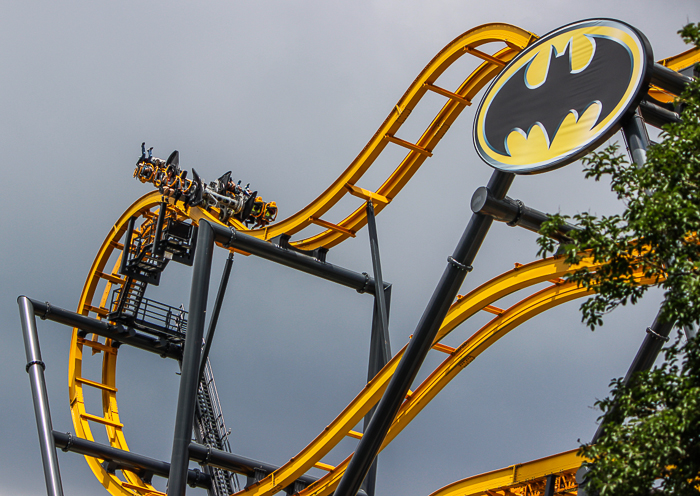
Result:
651,439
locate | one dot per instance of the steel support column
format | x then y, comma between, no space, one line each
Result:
637,141
35,369
379,296
443,296
214,319
189,382
380,344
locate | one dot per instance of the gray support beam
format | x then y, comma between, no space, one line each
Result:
215,314
380,344
657,116
125,459
239,464
668,79
636,138
514,213
119,333
445,292
35,369
213,457
230,238
380,299
189,381
637,141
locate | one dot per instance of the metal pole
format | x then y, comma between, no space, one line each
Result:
215,314
379,297
125,459
116,332
35,368
189,381
231,238
636,137
445,292
380,344
637,140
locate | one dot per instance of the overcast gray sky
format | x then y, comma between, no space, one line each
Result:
285,94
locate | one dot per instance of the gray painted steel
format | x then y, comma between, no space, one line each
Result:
215,314
189,381
513,212
239,464
119,333
230,238
445,292
658,116
35,369
125,459
380,344
669,79
637,140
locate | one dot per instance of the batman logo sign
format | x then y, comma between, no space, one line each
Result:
562,96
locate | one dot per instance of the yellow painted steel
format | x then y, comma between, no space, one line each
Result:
521,277
525,475
514,39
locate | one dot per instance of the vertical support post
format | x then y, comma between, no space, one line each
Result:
215,314
443,296
380,301
380,345
549,486
189,381
635,133
35,369
656,336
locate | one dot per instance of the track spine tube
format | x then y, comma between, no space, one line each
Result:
35,369
443,296
189,382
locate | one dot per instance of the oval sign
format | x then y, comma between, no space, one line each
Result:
562,96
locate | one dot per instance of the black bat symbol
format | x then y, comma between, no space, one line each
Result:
516,106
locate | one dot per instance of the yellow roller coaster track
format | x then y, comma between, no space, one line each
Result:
102,279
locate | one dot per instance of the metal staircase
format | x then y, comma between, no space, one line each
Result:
210,430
